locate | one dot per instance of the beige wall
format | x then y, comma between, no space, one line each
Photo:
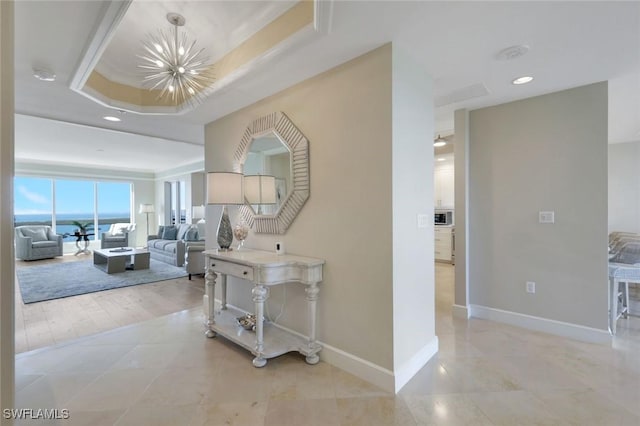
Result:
624,187
6,211
346,115
198,188
543,153
371,169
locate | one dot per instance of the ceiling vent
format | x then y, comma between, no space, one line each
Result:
512,52
459,95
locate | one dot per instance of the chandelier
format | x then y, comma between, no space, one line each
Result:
174,66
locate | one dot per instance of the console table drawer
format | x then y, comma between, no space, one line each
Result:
233,269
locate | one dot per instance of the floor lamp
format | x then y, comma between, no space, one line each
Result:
147,208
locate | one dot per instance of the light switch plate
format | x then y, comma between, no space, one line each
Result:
547,217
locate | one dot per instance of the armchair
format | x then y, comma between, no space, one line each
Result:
35,242
117,235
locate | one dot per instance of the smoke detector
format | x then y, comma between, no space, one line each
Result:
44,74
512,52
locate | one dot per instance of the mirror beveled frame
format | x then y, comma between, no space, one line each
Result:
298,146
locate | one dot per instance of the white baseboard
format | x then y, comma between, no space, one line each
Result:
361,368
545,325
460,311
366,370
373,373
411,367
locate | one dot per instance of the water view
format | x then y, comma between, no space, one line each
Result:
64,222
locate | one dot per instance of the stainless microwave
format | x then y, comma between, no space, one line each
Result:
443,217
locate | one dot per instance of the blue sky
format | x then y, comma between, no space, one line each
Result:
34,196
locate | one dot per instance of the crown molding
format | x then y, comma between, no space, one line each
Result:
113,13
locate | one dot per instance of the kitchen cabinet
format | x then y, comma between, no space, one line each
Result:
444,184
444,241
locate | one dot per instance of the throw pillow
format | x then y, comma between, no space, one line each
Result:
169,233
35,234
191,234
119,229
182,231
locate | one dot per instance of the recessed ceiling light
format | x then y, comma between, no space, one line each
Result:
440,159
111,118
522,80
44,74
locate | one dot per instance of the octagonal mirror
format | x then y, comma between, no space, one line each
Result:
274,157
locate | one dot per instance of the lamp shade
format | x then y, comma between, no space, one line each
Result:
146,208
260,189
224,188
197,212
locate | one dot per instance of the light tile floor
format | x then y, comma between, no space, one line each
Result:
57,321
164,372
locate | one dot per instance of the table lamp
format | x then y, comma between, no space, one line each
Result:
224,188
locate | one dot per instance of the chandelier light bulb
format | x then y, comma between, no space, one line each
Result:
191,91
181,70
193,72
181,51
158,47
171,89
159,63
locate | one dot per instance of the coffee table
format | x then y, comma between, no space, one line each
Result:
117,260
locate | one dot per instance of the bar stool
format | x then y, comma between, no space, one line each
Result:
619,277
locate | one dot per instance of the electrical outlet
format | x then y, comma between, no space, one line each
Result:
547,217
531,287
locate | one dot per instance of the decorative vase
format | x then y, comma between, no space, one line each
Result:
225,234
241,231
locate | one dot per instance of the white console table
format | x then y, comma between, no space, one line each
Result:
264,269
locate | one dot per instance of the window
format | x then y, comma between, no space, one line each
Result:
74,203
114,204
176,210
33,201
60,202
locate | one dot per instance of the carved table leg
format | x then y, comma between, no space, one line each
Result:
312,297
210,282
260,295
223,290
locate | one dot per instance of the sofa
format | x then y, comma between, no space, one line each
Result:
117,235
178,245
34,242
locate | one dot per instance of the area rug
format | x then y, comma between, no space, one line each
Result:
54,281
